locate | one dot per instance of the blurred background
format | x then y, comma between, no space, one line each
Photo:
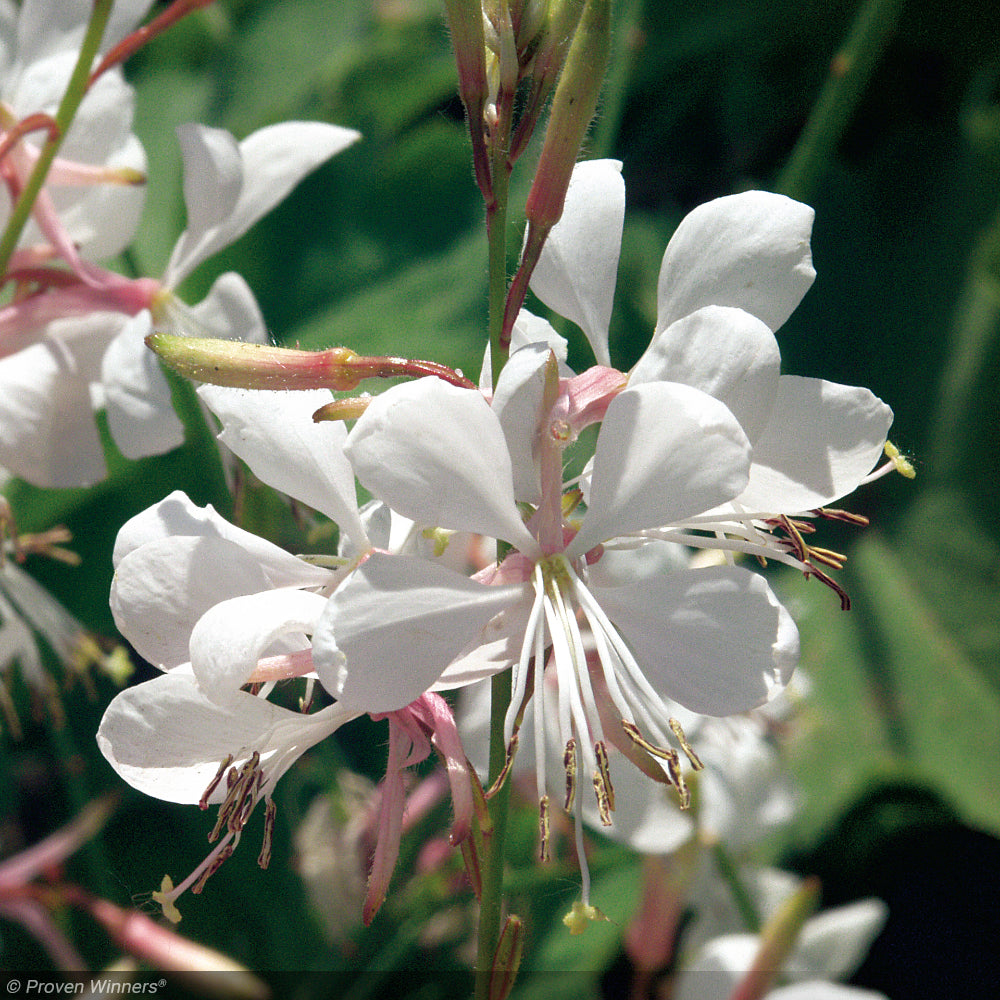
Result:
383,250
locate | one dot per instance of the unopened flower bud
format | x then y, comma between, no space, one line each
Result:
507,958
255,366
573,108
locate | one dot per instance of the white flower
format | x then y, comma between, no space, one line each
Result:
98,356
829,946
732,273
715,640
39,45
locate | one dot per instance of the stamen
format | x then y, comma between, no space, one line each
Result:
216,864
835,514
669,756
240,782
601,752
508,760
569,763
213,784
675,728
543,828
270,812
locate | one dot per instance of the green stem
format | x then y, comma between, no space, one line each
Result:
850,70
76,90
744,901
497,236
491,900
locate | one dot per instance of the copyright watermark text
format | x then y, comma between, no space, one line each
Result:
94,987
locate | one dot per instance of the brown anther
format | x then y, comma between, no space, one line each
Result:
601,794
270,811
543,828
601,752
675,728
213,784
505,770
224,855
849,517
569,763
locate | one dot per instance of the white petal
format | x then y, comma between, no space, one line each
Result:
166,739
821,440
176,515
232,636
274,433
141,416
723,351
213,177
578,267
517,402
394,625
528,329
162,588
834,943
436,453
664,452
646,814
747,250
47,430
230,311
267,165
716,640
818,989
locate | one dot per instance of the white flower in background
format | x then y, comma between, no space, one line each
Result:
90,348
733,272
91,188
826,948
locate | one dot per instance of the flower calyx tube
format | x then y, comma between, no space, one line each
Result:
263,366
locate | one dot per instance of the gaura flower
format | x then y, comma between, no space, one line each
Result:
716,640
217,609
86,337
732,273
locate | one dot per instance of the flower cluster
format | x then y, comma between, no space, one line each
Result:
580,535
611,634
